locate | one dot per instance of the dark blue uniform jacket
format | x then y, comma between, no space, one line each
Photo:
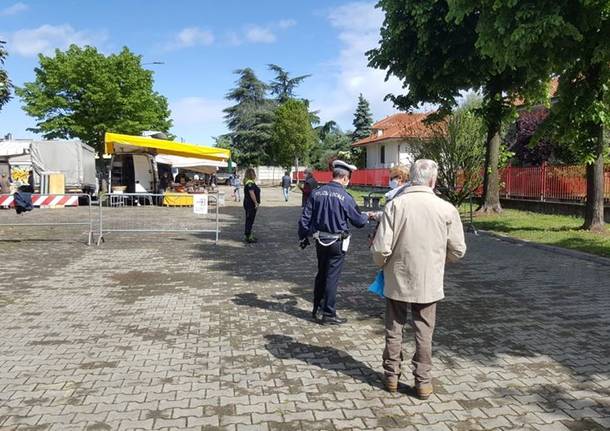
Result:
328,210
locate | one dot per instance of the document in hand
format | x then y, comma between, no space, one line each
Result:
376,286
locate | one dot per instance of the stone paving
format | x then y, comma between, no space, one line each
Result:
169,331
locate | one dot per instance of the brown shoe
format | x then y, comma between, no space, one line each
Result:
424,391
391,384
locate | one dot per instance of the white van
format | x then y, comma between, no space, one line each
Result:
127,168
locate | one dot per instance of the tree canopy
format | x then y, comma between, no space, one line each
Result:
82,93
283,86
458,146
433,50
5,83
565,38
293,136
363,119
250,119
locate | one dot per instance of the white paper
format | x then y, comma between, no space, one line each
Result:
345,244
200,204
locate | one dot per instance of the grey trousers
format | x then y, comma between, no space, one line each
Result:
422,322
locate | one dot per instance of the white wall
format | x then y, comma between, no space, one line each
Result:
271,175
396,152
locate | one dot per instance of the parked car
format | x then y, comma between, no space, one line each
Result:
223,178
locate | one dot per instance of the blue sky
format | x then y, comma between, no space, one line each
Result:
201,44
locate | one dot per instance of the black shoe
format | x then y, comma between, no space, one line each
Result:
333,320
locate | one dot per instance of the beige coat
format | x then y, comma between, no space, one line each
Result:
418,232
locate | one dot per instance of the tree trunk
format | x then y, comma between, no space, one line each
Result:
296,166
594,209
491,178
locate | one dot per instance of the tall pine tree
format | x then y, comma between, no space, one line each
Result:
250,119
363,119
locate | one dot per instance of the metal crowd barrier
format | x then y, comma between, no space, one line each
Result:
156,213
50,210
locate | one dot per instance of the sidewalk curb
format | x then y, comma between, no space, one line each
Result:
550,248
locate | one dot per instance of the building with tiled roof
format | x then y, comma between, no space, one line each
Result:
391,139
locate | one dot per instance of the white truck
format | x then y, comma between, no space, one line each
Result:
74,159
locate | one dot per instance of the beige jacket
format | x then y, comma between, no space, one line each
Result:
418,232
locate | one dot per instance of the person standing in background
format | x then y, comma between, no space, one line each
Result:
252,200
309,185
286,183
236,187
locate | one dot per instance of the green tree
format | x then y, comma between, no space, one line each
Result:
458,146
293,136
5,83
363,119
331,142
435,55
568,38
81,93
250,120
283,86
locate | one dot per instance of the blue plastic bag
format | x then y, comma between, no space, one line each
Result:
376,286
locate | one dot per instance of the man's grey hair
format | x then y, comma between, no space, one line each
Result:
423,171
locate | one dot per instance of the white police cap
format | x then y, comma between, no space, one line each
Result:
340,164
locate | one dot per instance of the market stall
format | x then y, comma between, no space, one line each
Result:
177,191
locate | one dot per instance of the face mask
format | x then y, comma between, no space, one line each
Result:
393,184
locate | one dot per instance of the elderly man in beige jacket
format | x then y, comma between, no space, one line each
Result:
417,234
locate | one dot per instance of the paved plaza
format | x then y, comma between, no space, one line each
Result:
169,331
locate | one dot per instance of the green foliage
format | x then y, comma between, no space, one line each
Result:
564,37
292,134
81,93
5,83
283,86
431,45
332,142
363,120
250,120
458,146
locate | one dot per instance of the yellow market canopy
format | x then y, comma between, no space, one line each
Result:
117,143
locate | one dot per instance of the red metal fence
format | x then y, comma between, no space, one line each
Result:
543,183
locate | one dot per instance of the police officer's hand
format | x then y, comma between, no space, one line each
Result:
304,243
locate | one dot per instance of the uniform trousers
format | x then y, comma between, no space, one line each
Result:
330,264
250,216
423,318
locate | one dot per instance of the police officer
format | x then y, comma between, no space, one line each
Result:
325,217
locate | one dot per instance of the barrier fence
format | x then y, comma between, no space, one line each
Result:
54,211
159,213
566,183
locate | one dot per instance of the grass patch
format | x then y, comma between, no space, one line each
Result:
557,230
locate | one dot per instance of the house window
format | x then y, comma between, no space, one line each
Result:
382,154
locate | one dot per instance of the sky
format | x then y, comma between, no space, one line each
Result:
201,43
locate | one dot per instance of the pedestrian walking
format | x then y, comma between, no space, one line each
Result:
309,185
286,183
237,187
252,200
325,217
418,232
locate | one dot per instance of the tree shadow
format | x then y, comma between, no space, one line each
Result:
502,299
325,357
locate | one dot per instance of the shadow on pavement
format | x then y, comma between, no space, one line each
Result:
326,357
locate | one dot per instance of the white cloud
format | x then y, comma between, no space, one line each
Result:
286,23
14,9
191,36
258,34
358,27
197,119
46,38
